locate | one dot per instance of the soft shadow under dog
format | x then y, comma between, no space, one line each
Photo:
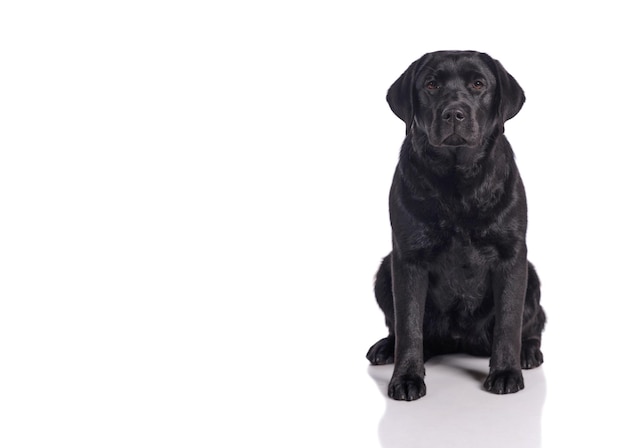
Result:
457,411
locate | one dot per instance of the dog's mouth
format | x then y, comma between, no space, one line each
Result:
454,140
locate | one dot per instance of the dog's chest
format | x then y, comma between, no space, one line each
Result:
459,274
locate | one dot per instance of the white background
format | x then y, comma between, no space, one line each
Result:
193,202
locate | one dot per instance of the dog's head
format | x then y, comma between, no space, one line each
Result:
457,98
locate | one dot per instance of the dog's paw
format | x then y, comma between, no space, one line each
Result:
407,387
381,352
531,354
504,381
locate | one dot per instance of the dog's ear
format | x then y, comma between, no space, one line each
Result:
401,94
510,95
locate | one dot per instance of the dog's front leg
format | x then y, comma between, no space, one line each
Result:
410,284
509,286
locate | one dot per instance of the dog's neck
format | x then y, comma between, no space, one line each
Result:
462,163
455,167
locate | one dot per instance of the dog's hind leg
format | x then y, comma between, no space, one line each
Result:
534,322
382,352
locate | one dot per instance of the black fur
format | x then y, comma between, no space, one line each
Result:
457,279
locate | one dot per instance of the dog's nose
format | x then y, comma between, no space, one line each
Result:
453,114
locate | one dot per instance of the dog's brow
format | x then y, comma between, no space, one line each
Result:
430,70
475,73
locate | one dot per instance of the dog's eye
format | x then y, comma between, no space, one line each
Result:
478,84
432,85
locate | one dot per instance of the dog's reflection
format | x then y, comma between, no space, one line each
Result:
457,411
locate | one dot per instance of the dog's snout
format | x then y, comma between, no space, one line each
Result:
453,114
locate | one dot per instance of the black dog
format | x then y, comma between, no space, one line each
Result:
457,278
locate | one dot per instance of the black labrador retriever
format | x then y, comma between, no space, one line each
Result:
457,278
